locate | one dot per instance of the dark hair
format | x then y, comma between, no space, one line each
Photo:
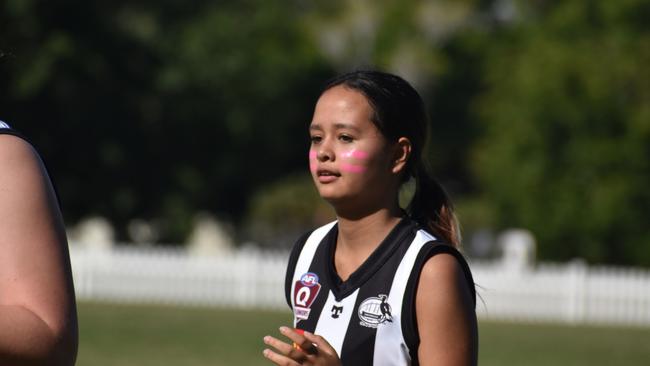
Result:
399,112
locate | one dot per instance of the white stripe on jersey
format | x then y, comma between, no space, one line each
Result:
332,329
4,125
305,258
390,346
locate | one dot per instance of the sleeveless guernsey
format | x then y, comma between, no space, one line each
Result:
369,319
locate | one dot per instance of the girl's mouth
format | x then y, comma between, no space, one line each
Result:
327,176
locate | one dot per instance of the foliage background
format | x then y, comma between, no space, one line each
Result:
158,110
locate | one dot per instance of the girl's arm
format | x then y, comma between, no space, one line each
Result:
445,314
38,321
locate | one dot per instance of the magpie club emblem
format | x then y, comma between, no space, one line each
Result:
374,311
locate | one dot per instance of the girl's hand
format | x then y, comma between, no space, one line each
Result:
308,349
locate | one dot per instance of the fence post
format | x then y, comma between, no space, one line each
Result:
577,269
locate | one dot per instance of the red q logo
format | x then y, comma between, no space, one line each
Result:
304,294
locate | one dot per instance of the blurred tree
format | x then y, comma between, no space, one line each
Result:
158,109
75,80
242,79
566,116
282,211
394,35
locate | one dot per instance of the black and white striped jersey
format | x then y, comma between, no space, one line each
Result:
369,318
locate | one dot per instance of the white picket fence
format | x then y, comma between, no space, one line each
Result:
242,279
252,279
570,293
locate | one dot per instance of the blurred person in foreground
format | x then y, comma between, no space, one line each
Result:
38,319
381,285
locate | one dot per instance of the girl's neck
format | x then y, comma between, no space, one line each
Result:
358,237
364,234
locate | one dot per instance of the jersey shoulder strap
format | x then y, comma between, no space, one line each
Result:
5,129
302,255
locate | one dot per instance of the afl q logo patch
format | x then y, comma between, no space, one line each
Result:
374,311
309,279
304,293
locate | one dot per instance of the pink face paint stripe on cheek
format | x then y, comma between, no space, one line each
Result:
359,154
350,168
355,154
312,161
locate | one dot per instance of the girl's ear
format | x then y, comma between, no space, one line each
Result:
402,154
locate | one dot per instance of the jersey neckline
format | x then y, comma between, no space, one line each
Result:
341,289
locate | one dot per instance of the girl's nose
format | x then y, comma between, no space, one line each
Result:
325,154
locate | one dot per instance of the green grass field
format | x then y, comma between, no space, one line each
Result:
157,335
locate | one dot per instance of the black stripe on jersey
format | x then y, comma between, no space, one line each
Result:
387,257
291,266
409,318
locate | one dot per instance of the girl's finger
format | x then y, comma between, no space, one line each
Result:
279,359
285,349
292,334
306,346
320,342
282,347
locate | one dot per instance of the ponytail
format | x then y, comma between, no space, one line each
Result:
432,208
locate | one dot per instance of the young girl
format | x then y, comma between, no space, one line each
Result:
380,285
38,319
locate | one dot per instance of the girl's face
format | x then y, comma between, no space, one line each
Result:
351,162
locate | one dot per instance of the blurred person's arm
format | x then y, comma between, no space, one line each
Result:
38,321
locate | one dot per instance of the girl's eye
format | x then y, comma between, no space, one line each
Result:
315,139
346,138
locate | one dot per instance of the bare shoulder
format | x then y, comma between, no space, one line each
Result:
440,267
24,183
17,154
445,314
443,284
9,143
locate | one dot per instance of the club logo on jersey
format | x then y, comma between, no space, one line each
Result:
374,311
305,291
